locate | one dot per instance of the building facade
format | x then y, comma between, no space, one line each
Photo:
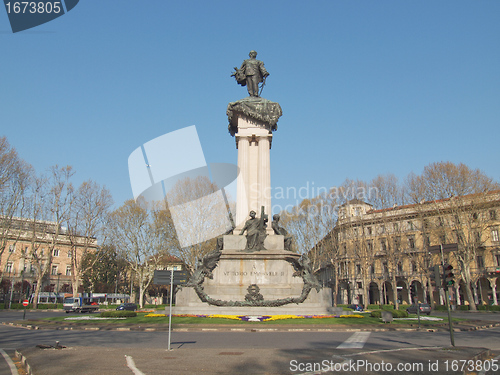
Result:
27,246
376,255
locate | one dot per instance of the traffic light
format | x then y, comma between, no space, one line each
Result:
413,290
435,276
448,277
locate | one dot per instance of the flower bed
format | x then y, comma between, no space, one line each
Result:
257,318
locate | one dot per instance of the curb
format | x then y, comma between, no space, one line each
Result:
276,328
24,361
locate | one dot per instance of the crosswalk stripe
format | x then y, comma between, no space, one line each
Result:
356,341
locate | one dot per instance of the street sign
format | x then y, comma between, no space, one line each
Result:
164,277
26,303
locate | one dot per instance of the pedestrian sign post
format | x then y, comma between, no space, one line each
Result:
166,277
25,304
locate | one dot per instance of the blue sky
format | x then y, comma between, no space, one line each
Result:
366,87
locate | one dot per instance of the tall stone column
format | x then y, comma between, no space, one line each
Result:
254,179
243,145
264,176
251,122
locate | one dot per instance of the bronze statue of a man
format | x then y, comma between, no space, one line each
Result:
280,230
256,233
251,73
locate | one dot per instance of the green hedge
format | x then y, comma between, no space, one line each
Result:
118,314
395,313
41,306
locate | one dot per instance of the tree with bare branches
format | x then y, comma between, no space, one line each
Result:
15,175
141,233
86,223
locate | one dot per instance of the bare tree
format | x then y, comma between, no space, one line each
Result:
14,178
199,213
50,201
138,231
457,194
86,223
309,223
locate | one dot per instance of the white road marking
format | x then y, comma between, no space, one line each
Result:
356,341
131,365
13,368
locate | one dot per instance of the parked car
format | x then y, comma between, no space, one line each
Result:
356,307
424,309
127,306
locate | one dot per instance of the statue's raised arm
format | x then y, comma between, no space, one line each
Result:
250,74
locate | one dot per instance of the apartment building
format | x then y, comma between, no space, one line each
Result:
375,255
26,252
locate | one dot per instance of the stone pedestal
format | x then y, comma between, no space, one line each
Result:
268,269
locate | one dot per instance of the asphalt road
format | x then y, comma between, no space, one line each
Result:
232,352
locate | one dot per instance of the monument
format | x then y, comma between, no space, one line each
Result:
254,271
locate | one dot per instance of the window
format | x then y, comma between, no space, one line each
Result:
480,261
497,257
386,269
70,253
493,214
383,245
372,269
369,230
358,268
397,243
400,268
411,242
360,285
494,235
9,267
413,267
369,245
12,248
54,270
68,270
56,252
